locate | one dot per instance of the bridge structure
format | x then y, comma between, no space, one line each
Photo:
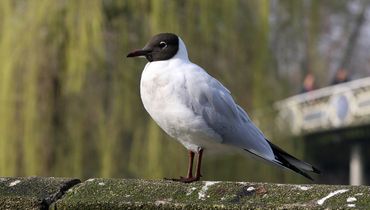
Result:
335,123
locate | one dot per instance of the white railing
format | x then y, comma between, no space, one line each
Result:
329,108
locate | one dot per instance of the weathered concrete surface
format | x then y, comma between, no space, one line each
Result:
32,192
139,194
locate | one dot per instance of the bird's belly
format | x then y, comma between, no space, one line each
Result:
179,121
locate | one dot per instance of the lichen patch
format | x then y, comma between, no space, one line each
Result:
190,191
202,192
160,202
250,189
304,188
14,183
351,205
351,199
322,200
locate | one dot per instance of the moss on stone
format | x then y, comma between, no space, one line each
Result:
39,193
134,194
32,192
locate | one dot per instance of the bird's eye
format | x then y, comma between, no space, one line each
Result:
162,45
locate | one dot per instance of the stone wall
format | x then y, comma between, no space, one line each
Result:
66,193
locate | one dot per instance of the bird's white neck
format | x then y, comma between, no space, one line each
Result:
182,53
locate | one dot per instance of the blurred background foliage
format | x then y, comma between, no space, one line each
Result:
70,102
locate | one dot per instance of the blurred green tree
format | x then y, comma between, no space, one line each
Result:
70,102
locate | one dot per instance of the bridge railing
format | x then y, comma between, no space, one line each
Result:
329,108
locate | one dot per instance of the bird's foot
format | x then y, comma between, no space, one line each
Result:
184,179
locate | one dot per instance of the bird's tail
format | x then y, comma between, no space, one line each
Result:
288,161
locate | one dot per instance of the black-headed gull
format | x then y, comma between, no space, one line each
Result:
197,110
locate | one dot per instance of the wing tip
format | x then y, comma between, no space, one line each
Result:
289,166
315,170
283,159
285,164
307,176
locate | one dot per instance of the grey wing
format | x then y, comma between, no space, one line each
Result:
214,103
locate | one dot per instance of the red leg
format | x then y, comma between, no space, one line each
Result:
190,166
190,177
199,163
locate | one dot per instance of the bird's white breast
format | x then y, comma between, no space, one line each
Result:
163,92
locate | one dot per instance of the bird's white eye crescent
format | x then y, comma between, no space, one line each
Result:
162,44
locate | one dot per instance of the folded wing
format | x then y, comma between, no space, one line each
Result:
211,100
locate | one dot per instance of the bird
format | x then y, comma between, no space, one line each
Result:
194,108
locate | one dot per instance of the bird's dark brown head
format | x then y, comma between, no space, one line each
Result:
160,47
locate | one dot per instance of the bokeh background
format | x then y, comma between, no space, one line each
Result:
69,98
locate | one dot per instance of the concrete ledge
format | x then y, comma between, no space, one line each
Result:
64,193
32,192
139,194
